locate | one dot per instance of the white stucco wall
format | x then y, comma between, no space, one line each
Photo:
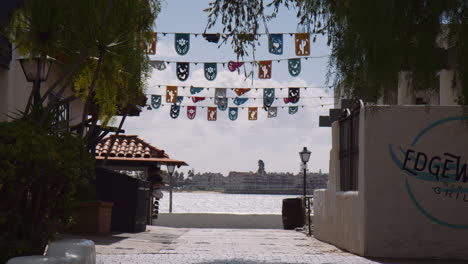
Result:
339,216
395,213
405,217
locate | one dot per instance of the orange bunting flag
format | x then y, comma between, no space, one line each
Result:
253,113
212,113
302,44
151,48
264,69
171,94
241,91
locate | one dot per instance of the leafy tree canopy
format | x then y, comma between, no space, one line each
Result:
371,41
99,45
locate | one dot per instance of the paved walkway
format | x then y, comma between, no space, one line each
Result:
210,246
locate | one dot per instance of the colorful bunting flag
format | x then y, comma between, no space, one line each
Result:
211,113
197,99
294,67
179,100
171,94
223,104
182,43
195,90
232,66
233,113
302,41
268,97
264,69
275,44
286,100
175,110
272,112
183,70
241,91
253,111
210,71
158,65
151,48
293,109
155,101
239,101
213,38
293,95
220,95
191,112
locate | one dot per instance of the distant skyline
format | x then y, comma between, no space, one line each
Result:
226,145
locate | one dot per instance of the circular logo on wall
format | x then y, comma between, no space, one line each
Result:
436,172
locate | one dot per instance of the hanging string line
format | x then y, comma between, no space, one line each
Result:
253,97
232,34
250,61
232,88
242,107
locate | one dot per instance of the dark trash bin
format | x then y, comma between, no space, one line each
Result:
293,213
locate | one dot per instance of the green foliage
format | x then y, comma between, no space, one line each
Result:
106,33
40,173
371,41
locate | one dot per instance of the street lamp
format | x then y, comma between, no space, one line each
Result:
305,156
36,70
170,170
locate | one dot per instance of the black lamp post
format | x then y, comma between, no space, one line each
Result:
36,70
170,170
305,156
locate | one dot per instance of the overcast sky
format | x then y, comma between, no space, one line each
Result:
226,145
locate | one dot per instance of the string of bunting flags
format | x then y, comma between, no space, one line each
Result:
220,97
275,41
265,67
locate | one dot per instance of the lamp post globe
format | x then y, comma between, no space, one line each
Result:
36,70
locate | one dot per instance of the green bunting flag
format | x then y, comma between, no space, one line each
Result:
233,112
294,67
155,101
210,71
293,110
195,90
223,104
275,44
182,43
175,109
268,97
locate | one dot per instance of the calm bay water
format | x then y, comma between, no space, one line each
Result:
212,202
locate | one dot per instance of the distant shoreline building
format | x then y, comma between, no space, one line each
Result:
259,183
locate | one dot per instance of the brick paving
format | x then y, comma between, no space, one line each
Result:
232,246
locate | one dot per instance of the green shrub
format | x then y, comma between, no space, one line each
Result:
40,172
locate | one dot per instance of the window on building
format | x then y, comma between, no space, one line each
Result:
349,152
61,112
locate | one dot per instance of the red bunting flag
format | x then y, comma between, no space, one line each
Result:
196,99
191,112
264,69
241,91
212,112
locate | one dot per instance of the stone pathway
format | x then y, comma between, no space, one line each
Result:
210,246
